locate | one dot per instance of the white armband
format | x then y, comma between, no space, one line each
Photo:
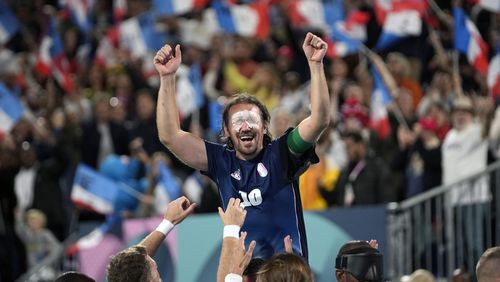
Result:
165,227
231,231
231,277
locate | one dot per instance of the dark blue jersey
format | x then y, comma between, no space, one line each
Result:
268,186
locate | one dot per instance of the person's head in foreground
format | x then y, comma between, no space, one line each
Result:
488,266
245,123
286,267
358,261
133,264
73,276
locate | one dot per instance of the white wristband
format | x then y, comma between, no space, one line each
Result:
165,227
231,231
231,277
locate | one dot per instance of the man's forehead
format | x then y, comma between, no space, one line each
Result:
244,107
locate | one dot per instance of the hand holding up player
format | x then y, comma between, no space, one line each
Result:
235,213
179,209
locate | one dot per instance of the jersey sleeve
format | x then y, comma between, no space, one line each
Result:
215,153
293,165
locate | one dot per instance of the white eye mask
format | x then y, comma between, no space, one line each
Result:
252,119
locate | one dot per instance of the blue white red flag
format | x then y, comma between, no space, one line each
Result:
380,98
244,20
11,109
469,42
9,25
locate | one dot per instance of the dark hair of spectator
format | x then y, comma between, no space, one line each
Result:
354,136
130,265
73,276
245,99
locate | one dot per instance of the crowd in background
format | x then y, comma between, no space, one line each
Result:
106,117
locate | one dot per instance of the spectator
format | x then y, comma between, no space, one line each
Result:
73,276
359,261
487,269
40,242
102,137
364,181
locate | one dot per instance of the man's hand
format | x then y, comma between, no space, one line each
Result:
288,244
314,48
235,214
178,210
242,257
165,62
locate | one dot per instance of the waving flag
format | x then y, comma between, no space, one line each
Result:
493,78
380,98
106,50
490,5
469,42
341,44
140,35
80,11
11,110
316,13
93,191
397,26
168,182
245,20
120,9
52,60
384,7
354,25
177,7
9,25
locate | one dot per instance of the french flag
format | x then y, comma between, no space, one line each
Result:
245,20
384,7
316,13
177,7
354,25
80,11
120,9
341,45
93,191
398,25
52,60
140,35
109,231
9,25
167,183
106,50
490,5
380,98
11,109
493,78
469,42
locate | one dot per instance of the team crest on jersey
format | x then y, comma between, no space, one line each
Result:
262,170
236,175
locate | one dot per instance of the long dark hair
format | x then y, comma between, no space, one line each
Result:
244,98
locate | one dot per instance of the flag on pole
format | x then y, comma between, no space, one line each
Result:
493,77
11,109
399,25
469,42
177,7
316,13
380,98
80,12
245,20
9,25
140,35
94,191
52,60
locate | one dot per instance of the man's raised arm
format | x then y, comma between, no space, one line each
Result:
187,147
310,128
